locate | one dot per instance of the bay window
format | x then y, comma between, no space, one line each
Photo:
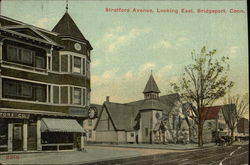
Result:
77,65
77,96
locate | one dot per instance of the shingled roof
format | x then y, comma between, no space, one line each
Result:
122,115
152,104
151,86
211,112
67,27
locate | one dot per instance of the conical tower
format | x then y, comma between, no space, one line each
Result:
151,90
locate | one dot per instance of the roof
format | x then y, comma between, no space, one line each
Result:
151,86
170,99
152,104
166,101
123,116
211,112
67,27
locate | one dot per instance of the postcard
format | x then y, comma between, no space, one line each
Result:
124,82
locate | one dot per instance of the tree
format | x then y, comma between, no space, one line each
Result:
236,107
203,82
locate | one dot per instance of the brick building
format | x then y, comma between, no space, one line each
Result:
44,85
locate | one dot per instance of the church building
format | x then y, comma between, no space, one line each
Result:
154,119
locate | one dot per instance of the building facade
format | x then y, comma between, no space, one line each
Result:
154,119
44,86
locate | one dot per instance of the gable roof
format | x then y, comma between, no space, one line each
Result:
122,115
211,112
167,102
67,27
151,86
31,31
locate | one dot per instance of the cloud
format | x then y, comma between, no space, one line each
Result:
128,86
181,41
44,22
162,44
95,63
233,50
146,67
118,36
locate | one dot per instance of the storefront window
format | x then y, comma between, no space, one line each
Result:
3,134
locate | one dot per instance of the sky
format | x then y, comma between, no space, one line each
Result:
127,46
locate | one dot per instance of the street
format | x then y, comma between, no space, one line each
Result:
219,155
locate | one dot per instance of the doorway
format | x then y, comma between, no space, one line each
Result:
17,137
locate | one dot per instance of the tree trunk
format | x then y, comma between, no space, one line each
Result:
200,136
232,136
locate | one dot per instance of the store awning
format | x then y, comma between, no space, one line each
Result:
60,125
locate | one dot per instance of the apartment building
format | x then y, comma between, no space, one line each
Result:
44,86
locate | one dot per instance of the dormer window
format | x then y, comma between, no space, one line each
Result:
77,65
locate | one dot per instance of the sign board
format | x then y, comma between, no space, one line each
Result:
14,115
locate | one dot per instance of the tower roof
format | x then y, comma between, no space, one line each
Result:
67,27
151,86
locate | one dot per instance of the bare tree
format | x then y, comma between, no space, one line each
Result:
202,83
236,107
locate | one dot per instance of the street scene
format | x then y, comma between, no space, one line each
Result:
139,82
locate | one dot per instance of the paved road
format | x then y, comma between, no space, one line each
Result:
226,155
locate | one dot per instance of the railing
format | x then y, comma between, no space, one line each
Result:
29,68
58,146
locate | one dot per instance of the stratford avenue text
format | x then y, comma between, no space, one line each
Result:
174,11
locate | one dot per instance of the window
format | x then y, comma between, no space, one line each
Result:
40,62
26,90
77,65
90,122
20,55
23,90
40,94
77,96
3,132
146,131
88,69
90,133
12,53
131,134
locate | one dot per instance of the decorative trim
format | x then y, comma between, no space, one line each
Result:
26,43
22,23
39,82
66,38
43,103
72,53
23,69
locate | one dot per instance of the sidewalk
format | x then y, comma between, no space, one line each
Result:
67,157
96,152
157,146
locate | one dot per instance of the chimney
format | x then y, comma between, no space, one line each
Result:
107,98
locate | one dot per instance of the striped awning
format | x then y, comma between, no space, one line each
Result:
60,125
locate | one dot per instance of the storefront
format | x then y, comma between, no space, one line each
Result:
37,132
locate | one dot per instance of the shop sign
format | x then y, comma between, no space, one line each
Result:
14,115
